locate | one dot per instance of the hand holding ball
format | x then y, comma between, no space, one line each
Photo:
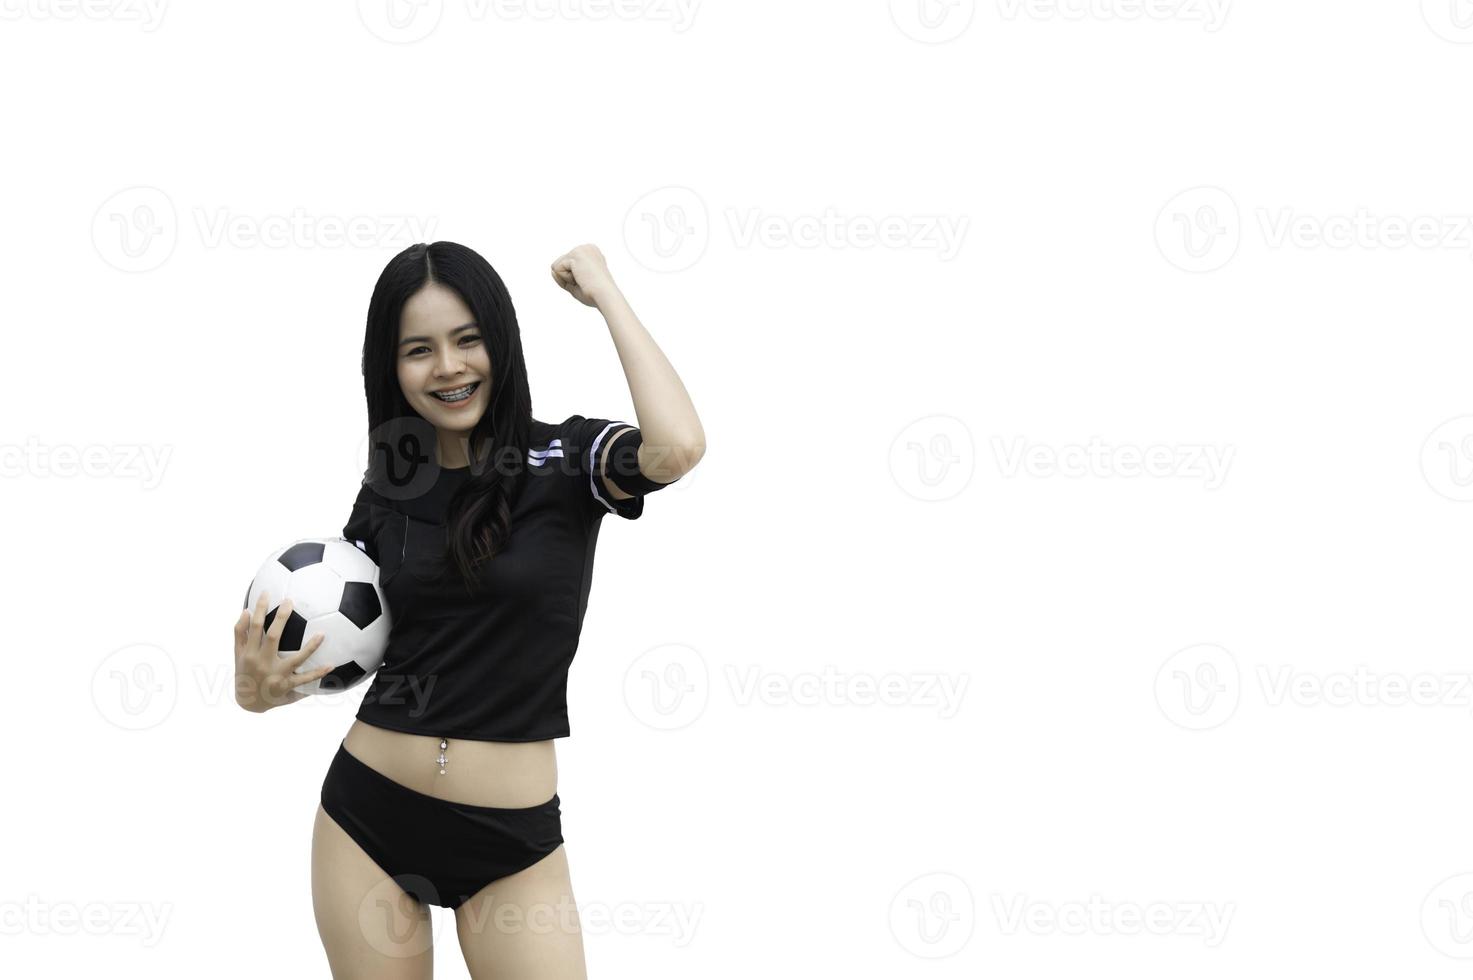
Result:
320,587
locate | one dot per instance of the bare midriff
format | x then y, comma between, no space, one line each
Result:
481,773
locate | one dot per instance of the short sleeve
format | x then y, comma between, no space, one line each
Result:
361,529
583,441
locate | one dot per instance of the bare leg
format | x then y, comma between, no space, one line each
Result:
370,928
524,926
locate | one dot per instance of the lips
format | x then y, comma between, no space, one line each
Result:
455,395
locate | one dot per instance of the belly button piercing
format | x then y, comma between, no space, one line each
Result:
441,759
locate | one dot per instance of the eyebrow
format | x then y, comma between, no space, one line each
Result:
416,340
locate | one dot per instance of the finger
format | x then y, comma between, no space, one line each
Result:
258,617
278,625
312,675
296,660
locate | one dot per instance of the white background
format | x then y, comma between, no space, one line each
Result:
1180,231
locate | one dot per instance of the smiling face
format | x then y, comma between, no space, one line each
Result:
441,349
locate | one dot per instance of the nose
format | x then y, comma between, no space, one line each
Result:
450,363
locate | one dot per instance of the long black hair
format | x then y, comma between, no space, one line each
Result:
478,516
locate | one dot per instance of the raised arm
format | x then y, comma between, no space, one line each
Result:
672,440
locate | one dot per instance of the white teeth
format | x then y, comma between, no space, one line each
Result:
457,394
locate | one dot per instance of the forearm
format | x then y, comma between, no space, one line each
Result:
673,438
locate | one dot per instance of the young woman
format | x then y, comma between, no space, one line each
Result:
483,522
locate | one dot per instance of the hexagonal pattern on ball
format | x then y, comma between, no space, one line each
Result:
334,588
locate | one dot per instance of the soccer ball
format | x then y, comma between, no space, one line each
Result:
334,591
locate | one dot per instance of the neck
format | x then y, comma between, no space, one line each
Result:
453,451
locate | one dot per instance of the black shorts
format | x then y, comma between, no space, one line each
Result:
439,852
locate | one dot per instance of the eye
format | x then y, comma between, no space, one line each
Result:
474,338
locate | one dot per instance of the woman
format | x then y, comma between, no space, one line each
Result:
483,522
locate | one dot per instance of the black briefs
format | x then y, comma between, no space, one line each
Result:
439,852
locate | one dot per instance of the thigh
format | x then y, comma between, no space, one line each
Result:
524,926
369,926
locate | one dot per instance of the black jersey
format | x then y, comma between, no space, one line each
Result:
490,664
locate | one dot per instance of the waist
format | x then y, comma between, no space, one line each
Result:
481,773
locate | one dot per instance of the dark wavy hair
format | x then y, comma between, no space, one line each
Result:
478,516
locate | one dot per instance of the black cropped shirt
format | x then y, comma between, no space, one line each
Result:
491,664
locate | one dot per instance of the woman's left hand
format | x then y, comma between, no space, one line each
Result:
584,273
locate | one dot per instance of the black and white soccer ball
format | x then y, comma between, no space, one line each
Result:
334,590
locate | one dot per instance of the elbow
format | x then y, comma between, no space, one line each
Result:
671,461
686,454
